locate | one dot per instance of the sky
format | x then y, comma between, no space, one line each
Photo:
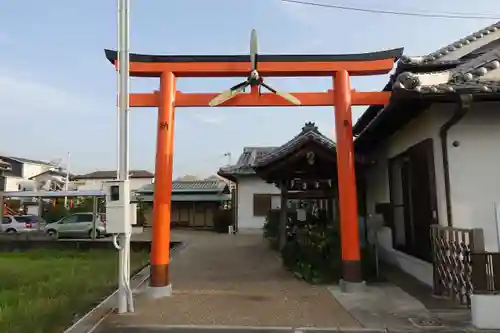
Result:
57,90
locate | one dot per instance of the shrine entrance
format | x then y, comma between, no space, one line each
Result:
305,171
339,67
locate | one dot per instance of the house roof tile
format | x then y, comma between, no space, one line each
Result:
5,166
309,133
244,165
26,160
468,65
184,186
111,174
481,74
53,172
459,48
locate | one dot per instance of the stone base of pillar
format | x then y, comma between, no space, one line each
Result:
159,292
352,287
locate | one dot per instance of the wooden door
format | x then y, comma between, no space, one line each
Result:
423,197
199,214
184,213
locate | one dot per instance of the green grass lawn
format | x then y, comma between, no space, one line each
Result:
42,291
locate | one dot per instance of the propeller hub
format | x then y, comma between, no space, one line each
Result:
254,75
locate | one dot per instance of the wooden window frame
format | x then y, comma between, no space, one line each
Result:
260,207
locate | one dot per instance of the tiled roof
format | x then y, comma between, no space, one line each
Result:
481,74
111,174
184,186
473,66
53,172
309,132
5,166
469,65
26,160
459,48
196,197
246,161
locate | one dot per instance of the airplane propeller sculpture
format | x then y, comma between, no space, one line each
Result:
253,79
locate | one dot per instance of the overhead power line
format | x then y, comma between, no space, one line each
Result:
393,12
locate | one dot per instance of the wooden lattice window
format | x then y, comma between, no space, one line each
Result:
261,204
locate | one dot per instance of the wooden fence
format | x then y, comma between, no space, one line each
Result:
452,248
485,273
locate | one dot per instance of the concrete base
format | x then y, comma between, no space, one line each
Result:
159,292
484,311
352,287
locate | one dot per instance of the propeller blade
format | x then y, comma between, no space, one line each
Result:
289,97
228,94
253,49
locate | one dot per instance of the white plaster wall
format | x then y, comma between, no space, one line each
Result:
475,170
247,187
30,170
97,184
12,183
424,127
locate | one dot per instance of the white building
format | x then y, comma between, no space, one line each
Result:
22,171
96,179
435,150
252,197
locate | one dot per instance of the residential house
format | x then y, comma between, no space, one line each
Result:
22,169
95,180
53,180
194,203
434,150
252,197
4,166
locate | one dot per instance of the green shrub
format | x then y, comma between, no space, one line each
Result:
313,253
271,228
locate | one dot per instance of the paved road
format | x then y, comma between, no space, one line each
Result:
262,330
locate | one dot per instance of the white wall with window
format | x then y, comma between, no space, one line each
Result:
392,179
255,199
473,158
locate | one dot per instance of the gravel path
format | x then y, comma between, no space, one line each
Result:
236,280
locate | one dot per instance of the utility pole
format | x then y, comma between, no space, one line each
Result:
66,181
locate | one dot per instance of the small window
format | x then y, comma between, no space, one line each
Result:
24,218
261,204
115,193
70,219
82,218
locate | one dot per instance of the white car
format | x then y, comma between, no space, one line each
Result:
20,223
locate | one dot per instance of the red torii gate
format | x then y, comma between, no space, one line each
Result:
342,97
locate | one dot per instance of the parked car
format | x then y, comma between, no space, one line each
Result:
78,225
21,223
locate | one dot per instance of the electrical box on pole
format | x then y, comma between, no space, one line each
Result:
117,214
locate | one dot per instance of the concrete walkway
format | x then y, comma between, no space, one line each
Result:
235,280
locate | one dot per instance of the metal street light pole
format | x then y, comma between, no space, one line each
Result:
228,155
125,302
